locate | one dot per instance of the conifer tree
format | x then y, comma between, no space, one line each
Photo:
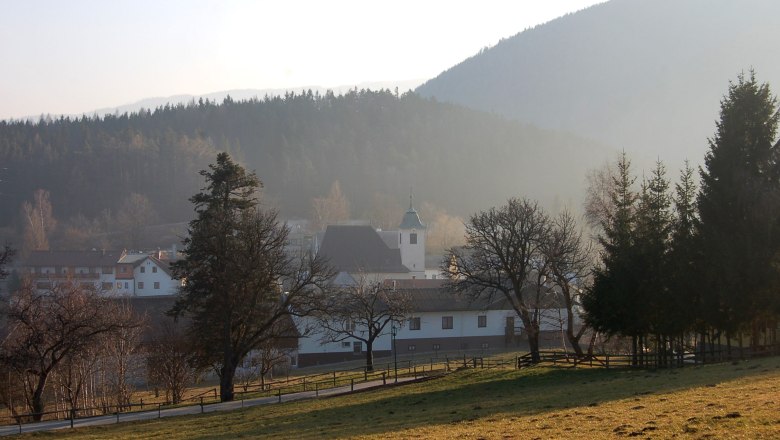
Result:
241,287
738,209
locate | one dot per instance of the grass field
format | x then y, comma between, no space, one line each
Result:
739,400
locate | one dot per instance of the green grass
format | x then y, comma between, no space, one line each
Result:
723,401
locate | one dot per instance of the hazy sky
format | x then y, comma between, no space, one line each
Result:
77,56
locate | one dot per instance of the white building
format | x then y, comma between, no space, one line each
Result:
111,272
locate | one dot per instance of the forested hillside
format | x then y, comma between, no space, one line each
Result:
372,142
644,76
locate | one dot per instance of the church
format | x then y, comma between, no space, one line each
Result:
354,249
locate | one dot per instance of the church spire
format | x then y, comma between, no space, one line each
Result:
410,199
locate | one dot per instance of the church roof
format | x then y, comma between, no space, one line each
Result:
411,220
355,248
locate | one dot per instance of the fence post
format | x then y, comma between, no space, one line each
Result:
316,389
201,404
607,360
280,394
517,362
365,374
334,378
384,378
215,393
352,384
72,416
159,410
304,383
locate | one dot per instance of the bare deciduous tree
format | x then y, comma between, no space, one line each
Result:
362,312
570,261
502,256
38,222
330,209
45,327
171,363
135,213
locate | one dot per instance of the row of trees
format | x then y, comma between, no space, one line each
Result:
681,263
673,263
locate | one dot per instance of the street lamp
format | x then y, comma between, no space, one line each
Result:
394,332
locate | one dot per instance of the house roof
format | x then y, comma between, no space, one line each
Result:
355,248
73,258
442,300
137,259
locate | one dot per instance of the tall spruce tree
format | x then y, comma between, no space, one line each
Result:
738,209
683,302
653,230
241,287
610,304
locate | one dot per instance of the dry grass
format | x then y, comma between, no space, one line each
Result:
718,401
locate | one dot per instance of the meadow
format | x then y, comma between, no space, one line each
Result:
730,400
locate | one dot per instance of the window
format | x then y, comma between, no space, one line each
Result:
400,238
157,285
485,345
412,347
119,285
414,323
43,285
108,269
140,284
446,322
482,321
123,269
107,286
154,269
346,344
143,269
357,347
413,238
349,325
436,347
127,286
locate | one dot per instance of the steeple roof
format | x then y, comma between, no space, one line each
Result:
411,219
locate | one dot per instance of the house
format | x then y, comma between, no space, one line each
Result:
142,274
439,321
96,269
111,272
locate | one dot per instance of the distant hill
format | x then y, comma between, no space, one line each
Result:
373,142
644,76
236,95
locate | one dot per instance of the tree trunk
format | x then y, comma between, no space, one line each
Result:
370,355
533,344
573,339
227,375
37,398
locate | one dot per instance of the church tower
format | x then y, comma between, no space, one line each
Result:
411,236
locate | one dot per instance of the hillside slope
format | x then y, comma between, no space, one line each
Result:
644,76
372,142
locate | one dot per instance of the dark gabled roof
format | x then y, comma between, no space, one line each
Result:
73,258
359,248
411,220
432,295
442,300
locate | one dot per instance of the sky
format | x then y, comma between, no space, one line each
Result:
70,57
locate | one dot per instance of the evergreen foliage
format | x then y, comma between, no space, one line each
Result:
739,204
372,142
240,287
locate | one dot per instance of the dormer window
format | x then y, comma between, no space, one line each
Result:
413,238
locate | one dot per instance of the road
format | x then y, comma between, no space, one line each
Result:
195,409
